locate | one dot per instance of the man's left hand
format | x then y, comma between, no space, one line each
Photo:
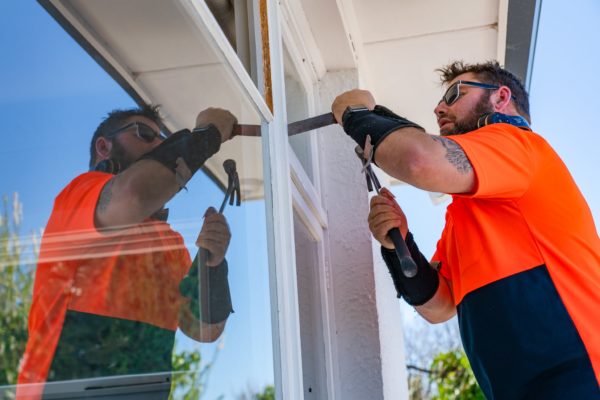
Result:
351,98
214,237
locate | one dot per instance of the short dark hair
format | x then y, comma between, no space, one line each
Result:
116,119
490,72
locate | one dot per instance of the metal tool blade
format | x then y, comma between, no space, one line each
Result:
294,128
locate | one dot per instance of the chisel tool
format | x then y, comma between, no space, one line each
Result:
294,128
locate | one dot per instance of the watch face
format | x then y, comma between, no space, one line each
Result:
352,109
357,107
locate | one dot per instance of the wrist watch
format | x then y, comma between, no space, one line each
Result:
353,109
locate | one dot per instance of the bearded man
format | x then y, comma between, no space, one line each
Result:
519,257
114,281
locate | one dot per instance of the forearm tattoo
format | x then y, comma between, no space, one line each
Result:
454,154
105,196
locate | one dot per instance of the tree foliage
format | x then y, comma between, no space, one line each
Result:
16,282
187,383
267,394
449,377
454,378
437,366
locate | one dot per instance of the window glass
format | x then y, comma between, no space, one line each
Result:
122,312
310,310
240,21
296,100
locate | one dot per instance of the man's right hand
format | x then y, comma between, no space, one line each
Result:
386,214
222,119
351,98
214,237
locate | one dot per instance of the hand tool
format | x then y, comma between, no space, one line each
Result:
409,268
233,185
198,279
294,128
232,194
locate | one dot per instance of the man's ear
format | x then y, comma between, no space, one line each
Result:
501,99
103,148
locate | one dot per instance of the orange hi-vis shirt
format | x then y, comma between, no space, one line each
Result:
132,275
525,212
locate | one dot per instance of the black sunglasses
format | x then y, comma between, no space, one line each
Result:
453,92
142,131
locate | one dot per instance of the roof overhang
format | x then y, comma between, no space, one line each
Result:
161,52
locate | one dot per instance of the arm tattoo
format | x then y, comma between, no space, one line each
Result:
105,197
454,154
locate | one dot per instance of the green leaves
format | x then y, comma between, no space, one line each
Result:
452,373
16,283
187,375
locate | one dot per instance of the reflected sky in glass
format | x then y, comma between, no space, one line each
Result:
52,97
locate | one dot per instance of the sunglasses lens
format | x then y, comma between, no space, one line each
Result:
146,133
451,94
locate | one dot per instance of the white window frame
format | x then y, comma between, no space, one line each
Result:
306,192
278,201
281,194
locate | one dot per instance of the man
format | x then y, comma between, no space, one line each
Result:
108,294
519,257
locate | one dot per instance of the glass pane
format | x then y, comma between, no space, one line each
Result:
238,20
296,101
98,292
309,305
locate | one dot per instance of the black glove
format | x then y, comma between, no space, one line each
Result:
377,123
211,300
419,289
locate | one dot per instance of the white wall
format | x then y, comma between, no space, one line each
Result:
370,362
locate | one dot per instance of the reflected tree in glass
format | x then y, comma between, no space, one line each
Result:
16,282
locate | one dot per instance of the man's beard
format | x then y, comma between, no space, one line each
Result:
121,156
469,124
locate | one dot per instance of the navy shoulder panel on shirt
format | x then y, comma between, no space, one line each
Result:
522,343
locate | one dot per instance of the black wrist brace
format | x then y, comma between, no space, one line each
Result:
193,147
419,289
208,291
377,123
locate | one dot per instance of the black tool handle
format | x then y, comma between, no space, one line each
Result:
409,268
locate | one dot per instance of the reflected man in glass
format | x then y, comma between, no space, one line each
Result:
114,281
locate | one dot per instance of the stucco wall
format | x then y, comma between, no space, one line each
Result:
368,333
349,257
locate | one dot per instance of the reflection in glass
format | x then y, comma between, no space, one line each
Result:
118,299
309,301
297,109
237,21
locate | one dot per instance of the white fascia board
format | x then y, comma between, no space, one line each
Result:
502,28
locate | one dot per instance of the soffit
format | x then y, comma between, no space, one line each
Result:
160,55
403,42
395,44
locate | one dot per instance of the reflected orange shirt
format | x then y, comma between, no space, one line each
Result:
525,211
132,275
